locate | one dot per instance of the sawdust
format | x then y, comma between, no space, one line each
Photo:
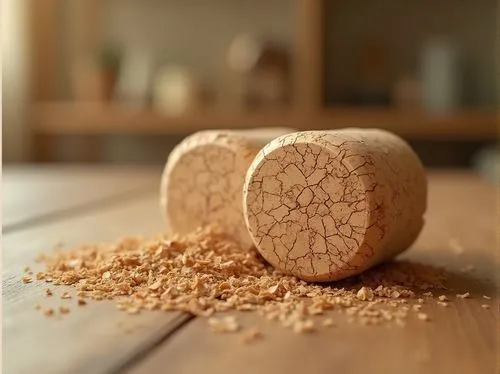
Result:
205,273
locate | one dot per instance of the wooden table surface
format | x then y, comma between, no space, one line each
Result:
45,205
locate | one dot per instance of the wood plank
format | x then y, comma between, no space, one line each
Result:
30,195
89,339
95,118
462,338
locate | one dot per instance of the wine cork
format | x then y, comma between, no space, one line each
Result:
202,181
325,205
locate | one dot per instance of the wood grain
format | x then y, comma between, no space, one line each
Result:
462,338
31,195
91,338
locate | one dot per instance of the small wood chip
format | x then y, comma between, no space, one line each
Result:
486,297
485,306
81,302
132,310
26,279
251,335
463,296
364,294
27,269
63,310
225,324
442,298
442,303
423,316
301,327
155,286
66,295
48,312
328,322
48,292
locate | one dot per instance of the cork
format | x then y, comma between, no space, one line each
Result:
202,181
326,205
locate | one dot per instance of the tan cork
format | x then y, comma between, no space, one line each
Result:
202,182
325,205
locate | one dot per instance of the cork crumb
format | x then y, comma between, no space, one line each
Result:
48,312
486,297
303,327
485,306
456,246
26,279
224,324
463,295
365,294
423,317
206,273
251,335
328,322
63,310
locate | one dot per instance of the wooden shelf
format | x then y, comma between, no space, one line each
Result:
99,119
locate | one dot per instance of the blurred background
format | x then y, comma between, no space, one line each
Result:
122,81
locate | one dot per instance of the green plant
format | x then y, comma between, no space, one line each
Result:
110,56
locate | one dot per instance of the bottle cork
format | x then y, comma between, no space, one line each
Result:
325,205
202,182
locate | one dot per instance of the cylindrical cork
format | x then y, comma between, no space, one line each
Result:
325,205
202,182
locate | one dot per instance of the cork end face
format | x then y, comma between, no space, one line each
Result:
306,211
202,185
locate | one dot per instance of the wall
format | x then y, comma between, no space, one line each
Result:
403,26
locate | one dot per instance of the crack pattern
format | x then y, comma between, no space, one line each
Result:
327,205
202,182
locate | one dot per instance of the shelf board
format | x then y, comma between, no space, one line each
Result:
61,118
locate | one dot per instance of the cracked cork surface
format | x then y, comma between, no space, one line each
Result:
325,205
203,179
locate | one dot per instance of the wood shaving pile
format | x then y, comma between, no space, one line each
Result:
205,272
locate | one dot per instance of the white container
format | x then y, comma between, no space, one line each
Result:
441,77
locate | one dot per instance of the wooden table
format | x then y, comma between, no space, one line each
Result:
42,206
